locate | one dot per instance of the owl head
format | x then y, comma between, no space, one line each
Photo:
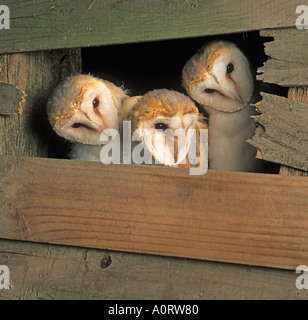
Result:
82,106
162,119
219,77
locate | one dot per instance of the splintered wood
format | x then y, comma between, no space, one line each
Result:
287,63
297,94
282,134
243,218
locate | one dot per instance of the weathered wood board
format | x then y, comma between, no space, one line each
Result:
296,94
11,99
288,57
44,24
230,217
282,133
28,78
57,272
252,219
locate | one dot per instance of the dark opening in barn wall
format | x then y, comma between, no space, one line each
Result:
141,67
145,66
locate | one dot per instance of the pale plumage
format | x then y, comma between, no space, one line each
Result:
220,79
81,107
156,112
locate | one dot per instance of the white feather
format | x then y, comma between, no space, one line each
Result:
86,152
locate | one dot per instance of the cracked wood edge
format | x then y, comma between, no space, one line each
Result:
287,63
281,135
297,94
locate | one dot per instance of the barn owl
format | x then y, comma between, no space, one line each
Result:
220,79
157,111
81,107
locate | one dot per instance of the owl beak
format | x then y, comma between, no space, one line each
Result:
233,94
91,124
88,125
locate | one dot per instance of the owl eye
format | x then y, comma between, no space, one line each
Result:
80,125
230,68
209,90
161,126
77,125
95,103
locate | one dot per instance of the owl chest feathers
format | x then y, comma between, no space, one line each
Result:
228,133
86,152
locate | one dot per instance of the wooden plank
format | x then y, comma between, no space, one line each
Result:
243,218
289,171
282,133
12,99
56,272
297,94
45,24
288,58
31,77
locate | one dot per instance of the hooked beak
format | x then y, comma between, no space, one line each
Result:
83,120
234,95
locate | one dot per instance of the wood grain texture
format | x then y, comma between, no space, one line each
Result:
34,74
243,218
282,133
296,94
45,24
57,272
12,99
288,58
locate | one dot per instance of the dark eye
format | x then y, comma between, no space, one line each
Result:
209,90
77,125
161,126
230,68
95,103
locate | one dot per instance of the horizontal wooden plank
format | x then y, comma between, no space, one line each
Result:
282,133
243,218
40,271
45,24
288,59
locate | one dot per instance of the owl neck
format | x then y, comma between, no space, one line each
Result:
228,134
229,124
80,151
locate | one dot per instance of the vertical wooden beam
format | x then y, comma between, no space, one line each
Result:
26,131
297,94
26,81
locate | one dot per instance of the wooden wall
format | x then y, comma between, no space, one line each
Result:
62,233
45,24
282,133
